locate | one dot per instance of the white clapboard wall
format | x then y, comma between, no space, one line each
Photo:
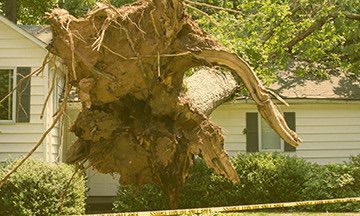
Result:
16,139
330,131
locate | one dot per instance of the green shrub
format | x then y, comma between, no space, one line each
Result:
144,198
264,178
334,181
203,188
40,188
269,178
354,166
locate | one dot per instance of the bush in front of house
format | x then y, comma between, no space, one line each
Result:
204,188
144,198
264,178
271,178
41,188
335,181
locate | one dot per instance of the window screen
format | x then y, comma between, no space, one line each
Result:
270,140
6,85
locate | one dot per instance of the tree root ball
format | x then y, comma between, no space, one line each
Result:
137,119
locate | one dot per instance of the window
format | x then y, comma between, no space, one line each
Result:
6,85
16,107
269,139
261,137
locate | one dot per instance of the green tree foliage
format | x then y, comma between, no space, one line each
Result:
77,7
41,188
264,178
33,11
308,36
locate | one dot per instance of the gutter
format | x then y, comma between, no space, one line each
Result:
301,101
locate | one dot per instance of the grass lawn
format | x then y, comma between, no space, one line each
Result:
286,214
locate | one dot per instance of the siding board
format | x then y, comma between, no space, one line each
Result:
328,121
325,145
20,137
23,128
326,129
13,62
326,153
355,137
4,156
18,148
16,43
21,52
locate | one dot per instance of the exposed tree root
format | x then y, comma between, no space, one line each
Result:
137,119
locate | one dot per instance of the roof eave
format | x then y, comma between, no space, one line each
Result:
305,101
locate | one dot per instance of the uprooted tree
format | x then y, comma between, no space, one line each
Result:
139,118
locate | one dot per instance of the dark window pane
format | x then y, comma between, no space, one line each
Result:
270,140
6,85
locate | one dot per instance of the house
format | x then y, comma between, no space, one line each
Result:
20,125
324,112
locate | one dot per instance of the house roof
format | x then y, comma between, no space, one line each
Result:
336,86
43,33
24,32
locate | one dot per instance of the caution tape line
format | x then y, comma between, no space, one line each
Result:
234,208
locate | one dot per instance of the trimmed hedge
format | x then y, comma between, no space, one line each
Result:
38,188
265,178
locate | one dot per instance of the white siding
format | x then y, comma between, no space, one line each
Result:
331,132
54,147
17,139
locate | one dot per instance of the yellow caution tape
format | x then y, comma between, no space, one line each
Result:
234,208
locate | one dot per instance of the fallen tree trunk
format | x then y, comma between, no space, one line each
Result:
208,88
137,119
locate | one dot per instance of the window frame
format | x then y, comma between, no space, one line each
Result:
13,119
282,143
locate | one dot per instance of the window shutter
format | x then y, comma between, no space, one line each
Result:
291,122
252,132
23,95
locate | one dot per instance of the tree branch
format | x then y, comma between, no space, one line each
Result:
315,26
212,6
256,90
352,16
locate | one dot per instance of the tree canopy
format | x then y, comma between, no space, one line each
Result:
33,11
306,36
